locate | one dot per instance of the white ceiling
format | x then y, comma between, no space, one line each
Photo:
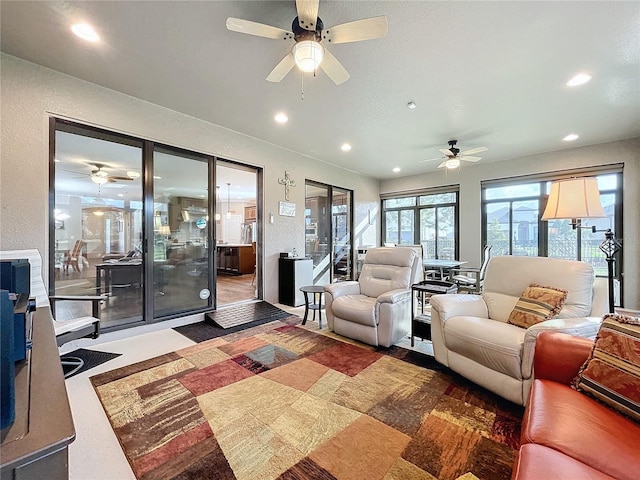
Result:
486,73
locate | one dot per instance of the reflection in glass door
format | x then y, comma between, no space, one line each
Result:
181,233
318,231
328,233
341,228
98,223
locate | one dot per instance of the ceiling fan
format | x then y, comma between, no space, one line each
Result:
453,155
309,35
100,175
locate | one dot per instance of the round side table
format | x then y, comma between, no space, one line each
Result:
316,291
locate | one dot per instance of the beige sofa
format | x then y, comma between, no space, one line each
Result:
471,335
377,308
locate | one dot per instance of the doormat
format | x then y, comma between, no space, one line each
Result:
91,358
247,313
234,319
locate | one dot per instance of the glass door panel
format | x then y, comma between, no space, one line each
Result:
180,256
318,231
98,225
341,221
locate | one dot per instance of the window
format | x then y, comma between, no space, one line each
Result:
512,209
428,219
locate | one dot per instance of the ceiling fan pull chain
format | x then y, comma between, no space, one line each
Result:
301,86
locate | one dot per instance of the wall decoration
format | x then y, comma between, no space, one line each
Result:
288,183
287,209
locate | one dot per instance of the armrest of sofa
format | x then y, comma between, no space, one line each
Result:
394,296
453,305
586,327
559,356
342,288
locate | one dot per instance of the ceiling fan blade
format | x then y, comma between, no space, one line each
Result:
280,71
474,150
114,178
257,29
429,160
442,164
446,152
307,13
467,158
333,68
365,29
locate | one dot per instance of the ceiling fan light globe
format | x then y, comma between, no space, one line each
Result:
452,163
99,179
308,55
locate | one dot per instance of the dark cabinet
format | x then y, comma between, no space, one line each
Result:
237,259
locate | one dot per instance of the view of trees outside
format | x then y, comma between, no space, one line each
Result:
512,223
435,230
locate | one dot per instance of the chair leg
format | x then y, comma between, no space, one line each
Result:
72,364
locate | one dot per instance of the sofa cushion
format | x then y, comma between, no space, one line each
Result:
496,345
540,462
499,305
386,269
510,275
611,374
537,304
578,426
357,308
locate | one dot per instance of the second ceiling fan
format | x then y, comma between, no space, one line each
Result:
453,155
309,35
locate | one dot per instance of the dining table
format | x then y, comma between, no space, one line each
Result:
441,265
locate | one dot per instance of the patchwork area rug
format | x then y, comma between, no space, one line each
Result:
280,401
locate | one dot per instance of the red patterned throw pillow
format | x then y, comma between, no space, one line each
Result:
611,374
537,304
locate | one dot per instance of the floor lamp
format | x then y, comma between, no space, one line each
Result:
579,198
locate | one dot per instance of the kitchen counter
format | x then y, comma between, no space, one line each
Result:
235,258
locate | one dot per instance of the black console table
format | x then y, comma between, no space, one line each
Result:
35,445
422,292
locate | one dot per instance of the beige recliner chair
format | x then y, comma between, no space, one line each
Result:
377,308
471,335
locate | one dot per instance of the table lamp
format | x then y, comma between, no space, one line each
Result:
579,198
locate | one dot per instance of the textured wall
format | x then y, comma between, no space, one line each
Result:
30,94
470,176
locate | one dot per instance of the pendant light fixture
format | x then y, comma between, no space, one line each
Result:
218,216
228,200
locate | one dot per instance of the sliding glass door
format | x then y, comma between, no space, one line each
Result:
181,232
98,223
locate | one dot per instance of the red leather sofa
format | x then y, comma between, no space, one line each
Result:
567,434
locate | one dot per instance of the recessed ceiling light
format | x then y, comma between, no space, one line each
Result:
579,79
345,147
132,174
397,169
411,105
571,137
121,194
281,118
156,177
85,31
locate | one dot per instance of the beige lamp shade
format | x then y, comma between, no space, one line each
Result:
574,198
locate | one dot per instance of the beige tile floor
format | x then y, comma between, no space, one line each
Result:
96,453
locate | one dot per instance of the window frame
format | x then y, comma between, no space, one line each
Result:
416,208
543,180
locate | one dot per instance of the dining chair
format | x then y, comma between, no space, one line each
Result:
72,257
470,279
